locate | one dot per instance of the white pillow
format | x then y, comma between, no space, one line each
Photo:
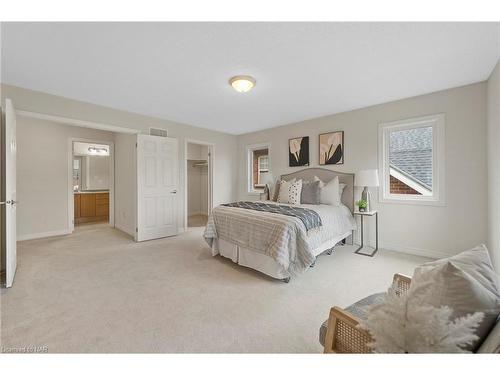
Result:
330,192
465,282
341,190
290,192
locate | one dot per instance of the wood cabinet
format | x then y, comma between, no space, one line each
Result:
77,205
91,207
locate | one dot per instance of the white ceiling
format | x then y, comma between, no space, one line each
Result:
180,71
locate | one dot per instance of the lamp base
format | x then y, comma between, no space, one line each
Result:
266,193
366,196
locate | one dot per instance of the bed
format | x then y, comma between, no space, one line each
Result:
279,245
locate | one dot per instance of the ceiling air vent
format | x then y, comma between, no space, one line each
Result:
158,132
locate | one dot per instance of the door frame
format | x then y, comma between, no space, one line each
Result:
211,163
71,200
8,222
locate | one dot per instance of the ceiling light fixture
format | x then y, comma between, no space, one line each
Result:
242,83
98,150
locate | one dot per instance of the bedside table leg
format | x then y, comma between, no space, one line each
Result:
362,235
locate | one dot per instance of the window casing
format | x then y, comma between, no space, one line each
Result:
412,162
258,165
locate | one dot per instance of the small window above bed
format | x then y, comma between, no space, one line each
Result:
411,160
258,167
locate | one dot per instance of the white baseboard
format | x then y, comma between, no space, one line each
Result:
428,253
32,236
125,229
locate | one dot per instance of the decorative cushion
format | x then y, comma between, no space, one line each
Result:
330,192
341,190
492,342
466,283
310,193
358,309
290,192
276,191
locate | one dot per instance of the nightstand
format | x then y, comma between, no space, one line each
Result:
363,214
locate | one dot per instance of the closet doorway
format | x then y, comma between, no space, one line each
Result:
198,177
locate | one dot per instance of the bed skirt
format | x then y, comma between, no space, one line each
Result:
260,261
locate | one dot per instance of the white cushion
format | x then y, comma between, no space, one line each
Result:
276,190
465,282
290,192
330,192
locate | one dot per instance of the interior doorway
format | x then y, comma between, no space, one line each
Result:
91,185
199,186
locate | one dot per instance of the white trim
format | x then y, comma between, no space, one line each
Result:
211,172
54,233
75,122
71,197
249,153
437,198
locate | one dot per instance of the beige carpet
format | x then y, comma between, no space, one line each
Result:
97,291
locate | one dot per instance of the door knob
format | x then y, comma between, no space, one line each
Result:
9,202
174,191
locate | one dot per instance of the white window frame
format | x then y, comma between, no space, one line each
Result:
260,170
250,150
437,198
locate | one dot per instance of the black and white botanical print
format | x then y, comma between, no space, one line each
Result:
298,152
331,148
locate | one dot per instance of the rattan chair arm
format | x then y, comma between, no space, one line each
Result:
402,282
343,334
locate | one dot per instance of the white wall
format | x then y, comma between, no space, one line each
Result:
42,175
494,166
125,183
426,230
434,231
225,145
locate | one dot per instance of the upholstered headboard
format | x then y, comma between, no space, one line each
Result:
327,175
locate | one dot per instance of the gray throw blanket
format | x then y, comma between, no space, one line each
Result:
310,218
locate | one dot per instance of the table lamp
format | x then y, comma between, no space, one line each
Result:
366,178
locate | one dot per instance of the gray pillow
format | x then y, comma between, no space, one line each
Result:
275,192
311,193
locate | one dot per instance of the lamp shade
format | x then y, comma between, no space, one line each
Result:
366,177
267,178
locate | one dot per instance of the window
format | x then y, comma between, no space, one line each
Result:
411,159
258,167
262,169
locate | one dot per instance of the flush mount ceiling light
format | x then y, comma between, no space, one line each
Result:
242,83
98,151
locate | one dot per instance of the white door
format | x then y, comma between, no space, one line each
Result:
157,186
10,193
